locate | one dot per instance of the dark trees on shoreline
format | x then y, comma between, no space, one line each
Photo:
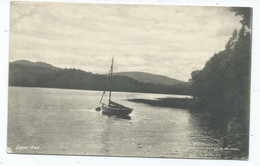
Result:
221,89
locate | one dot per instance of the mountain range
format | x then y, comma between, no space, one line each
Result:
150,78
41,74
36,64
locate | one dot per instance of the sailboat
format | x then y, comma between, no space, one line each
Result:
113,108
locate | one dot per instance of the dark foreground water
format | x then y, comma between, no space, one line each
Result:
61,121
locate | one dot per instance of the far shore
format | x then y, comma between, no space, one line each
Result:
84,89
182,103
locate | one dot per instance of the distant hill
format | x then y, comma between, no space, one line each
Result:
36,64
39,74
150,78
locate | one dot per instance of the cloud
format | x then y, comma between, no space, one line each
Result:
167,40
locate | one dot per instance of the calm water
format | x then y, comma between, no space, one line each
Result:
61,121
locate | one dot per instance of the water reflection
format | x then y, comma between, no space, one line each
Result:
147,132
126,117
231,141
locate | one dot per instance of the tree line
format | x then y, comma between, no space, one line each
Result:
221,89
35,76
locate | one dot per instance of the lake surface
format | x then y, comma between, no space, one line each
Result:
62,121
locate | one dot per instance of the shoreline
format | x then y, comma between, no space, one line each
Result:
182,103
117,91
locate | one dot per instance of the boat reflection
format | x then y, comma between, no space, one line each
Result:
126,117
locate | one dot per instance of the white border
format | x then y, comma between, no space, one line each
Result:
31,160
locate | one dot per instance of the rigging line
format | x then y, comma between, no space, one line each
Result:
111,75
102,96
106,86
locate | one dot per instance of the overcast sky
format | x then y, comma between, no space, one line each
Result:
166,40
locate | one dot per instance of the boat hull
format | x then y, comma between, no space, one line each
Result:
117,111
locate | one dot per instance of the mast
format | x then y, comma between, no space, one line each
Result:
110,78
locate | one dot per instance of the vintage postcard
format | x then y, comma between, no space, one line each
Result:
129,80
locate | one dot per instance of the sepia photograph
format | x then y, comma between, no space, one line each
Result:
129,80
